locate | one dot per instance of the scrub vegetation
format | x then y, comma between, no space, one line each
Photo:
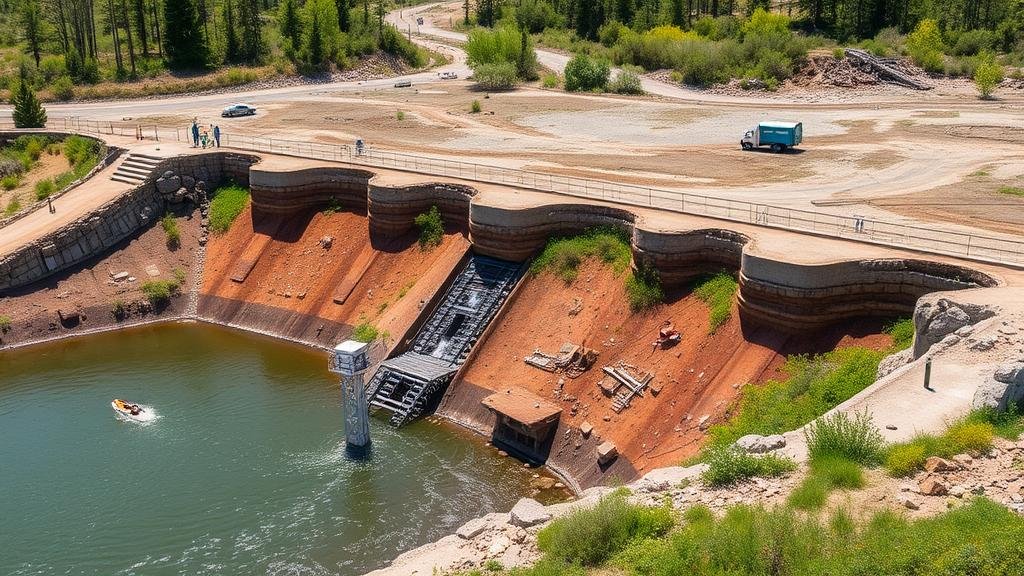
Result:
170,226
431,228
979,538
717,292
366,332
728,465
226,204
25,153
159,292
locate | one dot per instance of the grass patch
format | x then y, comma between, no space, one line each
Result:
902,333
1011,190
564,255
159,292
431,227
811,494
399,115
366,332
10,182
979,538
475,107
729,465
972,434
839,436
717,292
589,537
170,226
814,385
643,289
5,323
12,207
227,203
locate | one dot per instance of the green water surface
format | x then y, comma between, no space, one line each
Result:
242,472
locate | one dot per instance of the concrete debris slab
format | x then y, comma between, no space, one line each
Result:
606,452
528,512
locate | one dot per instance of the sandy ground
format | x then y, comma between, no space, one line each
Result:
91,290
698,377
382,281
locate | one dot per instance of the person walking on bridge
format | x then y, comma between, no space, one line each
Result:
195,134
216,135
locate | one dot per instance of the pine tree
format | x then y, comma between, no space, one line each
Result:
232,50
344,16
32,20
28,112
184,42
139,9
291,25
678,14
253,48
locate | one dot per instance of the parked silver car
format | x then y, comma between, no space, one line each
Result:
238,110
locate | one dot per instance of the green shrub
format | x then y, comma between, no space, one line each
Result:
159,292
987,75
729,465
1008,424
493,565
970,437
180,275
81,151
1011,190
590,536
838,53
10,167
564,255
550,81
119,310
586,74
399,115
838,472
972,434
925,45
10,182
170,226
44,188
5,323
226,205
490,53
643,289
365,332
62,88
431,228
838,435
974,42
717,292
905,459
475,107
627,81
496,76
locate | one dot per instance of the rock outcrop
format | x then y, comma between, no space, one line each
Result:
1004,387
935,321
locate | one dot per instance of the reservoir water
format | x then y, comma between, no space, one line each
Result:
243,471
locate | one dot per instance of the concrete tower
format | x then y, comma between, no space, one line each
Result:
350,360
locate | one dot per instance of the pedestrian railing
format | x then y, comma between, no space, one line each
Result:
980,247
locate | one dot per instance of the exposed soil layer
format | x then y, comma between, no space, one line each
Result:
91,290
276,274
699,377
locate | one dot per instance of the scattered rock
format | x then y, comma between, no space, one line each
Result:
703,422
606,452
528,512
933,487
963,459
586,428
470,529
542,483
891,363
908,502
757,444
936,464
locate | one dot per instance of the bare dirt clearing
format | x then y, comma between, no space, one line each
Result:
48,167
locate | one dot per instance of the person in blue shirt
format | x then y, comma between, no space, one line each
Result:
216,135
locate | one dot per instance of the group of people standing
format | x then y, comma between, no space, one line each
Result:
201,137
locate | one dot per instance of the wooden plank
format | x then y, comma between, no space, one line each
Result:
362,263
249,257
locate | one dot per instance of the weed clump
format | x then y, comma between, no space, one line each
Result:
431,228
159,292
729,465
717,292
564,255
839,436
972,434
170,226
643,289
226,204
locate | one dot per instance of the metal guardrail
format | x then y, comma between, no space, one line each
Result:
870,230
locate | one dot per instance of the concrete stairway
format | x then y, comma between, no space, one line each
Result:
135,168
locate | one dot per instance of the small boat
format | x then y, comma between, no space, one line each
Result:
128,410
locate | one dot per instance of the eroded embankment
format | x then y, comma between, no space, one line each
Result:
314,276
698,378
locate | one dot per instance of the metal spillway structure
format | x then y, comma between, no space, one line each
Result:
350,361
407,384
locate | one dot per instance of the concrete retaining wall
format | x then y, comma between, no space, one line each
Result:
100,230
393,209
290,192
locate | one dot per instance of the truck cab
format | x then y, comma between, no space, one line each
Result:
777,135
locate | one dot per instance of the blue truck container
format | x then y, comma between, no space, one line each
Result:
778,135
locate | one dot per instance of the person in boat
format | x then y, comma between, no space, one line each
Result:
134,409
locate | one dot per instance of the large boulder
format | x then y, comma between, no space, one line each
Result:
1004,387
933,321
893,362
168,185
528,512
757,444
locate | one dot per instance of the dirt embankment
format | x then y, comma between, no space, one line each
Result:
699,377
313,277
93,288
